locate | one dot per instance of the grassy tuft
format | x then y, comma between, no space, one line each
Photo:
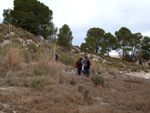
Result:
13,58
37,83
98,80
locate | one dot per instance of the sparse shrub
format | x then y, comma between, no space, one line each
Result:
1,37
32,47
134,70
16,40
42,68
37,83
73,82
146,71
38,71
86,93
99,72
45,67
98,80
66,59
26,54
81,88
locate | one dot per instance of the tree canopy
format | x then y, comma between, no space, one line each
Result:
94,40
132,45
97,41
31,15
123,39
109,42
146,48
65,36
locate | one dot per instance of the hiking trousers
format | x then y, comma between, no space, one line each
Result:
79,71
87,72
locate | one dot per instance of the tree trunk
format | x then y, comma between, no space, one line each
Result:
123,54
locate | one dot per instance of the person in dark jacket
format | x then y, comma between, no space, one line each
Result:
87,67
79,66
56,57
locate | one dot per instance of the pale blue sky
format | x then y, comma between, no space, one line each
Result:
110,15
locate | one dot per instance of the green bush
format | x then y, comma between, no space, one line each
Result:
99,72
98,80
134,70
37,83
146,71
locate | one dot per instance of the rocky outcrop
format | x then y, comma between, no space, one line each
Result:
76,49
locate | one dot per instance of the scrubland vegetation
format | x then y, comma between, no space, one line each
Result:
31,81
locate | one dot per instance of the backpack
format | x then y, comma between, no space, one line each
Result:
90,63
76,65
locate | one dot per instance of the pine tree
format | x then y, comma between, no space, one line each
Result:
65,37
31,15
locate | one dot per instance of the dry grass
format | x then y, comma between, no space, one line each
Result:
113,71
13,58
103,69
47,66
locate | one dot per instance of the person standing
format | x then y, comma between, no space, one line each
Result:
79,66
56,57
87,66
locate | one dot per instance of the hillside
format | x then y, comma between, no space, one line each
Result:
31,81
